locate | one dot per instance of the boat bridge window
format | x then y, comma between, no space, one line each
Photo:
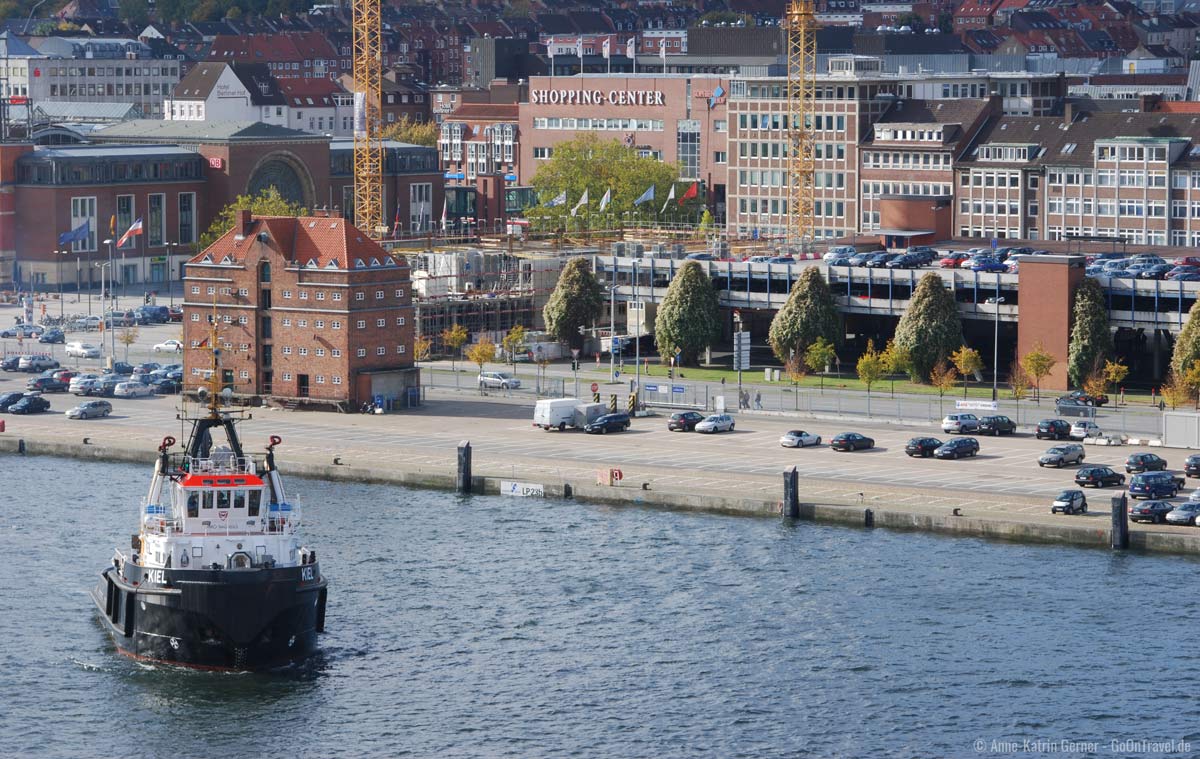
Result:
208,500
239,499
222,499
193,505
255,501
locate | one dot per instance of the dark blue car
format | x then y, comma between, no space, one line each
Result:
989,265
1154,485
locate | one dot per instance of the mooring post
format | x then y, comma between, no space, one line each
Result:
868,518
1120,523
463,483
791,493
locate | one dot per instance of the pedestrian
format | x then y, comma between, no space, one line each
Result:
722,382
758,400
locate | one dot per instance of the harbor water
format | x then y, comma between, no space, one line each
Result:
498,627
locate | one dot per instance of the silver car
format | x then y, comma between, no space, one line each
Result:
1184,513
960,423
799,439
1061,455
503,380
716,423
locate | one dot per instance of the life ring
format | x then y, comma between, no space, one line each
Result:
617,475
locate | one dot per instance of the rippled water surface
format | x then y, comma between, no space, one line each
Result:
508,627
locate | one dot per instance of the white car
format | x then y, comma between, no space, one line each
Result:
1082,429
169,346
715,423
86,322
79,382
133,390
799,439
503,380
82,350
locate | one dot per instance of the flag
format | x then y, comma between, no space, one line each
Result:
134,229
396,223
670,197
692,192
444,202
605,200
645,197
112,225
606,48
558,200
631,47
718,93
662,49
579,49
78,234
583,200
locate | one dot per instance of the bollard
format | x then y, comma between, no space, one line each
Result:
1120,523
791,493
463,482
337,460
87,441
21,446
868,518
568,491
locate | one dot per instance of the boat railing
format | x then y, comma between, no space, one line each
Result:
181,463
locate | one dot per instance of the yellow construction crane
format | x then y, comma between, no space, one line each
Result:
800,25
368,148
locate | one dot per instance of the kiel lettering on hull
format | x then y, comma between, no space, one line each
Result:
596,97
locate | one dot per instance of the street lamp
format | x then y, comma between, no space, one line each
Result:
104,320
78,274
612,328
171,246
109,243
997,302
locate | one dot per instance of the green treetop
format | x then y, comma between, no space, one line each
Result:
809,315
930,329
688,316
1091,338
576,302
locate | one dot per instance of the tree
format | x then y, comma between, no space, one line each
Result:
1038,363
575,303
944,377
930,328
413,132
967,361
1191,380
454,337
135,12
706,222
422,347
589,163
688,317
1115,372
1091,338
913,21
808,314
819,356
175,11
269,202
481,353
870,368
1095,384
1018,381
514,343
896,359
1187,345
128,337
1175,391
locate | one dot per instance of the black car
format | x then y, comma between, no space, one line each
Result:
145,369
1191,467
1053,429
1098,477
104,387
851,441
30,404
608,423
1091,400
47,385
9,363
1071,407
122,368
1154,512
881,260
166,386
54,335
957,448
684,421
922,446
996,425
906,261
1145,462
8,399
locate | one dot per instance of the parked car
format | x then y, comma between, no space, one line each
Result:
1060,455
953,260
860,259
46,385
1069,502
1085,429
82,350
881,260
79,381
957,448
176,313
838,251
996,424
30,404
1155,485
36,362
1191,467
23,331
1184,513
922,446
960,423
1155,271
90,410
684,421
10,363
154,314
1087,398
1098,477
8,399
906,261
1145,462
925,253
502,380
851,441
106,386
133,390
1071,407
1053,429
122,368
86,323
1151,511
716,423
166,386
799,439
143,370
608,423
987,264
169,346
52,335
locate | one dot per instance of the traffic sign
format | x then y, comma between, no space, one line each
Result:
651,388
741,350
678,388
595,387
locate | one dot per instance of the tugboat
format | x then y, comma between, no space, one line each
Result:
217,577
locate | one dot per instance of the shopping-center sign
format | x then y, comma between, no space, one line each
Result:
596,97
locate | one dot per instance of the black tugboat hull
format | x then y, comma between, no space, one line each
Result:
213,619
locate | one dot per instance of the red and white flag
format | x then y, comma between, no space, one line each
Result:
134,229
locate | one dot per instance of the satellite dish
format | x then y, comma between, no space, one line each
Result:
227,393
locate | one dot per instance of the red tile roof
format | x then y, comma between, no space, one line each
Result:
315,241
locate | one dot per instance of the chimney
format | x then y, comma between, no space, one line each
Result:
243,222
1068,112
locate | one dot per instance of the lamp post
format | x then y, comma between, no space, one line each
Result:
612,328
171,246
995,344
637,338
109,243
78,275
107,323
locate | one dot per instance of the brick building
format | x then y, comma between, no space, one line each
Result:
309,310
480,138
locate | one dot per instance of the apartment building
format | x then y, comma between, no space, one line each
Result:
480,138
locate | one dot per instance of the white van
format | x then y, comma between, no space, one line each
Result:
561,413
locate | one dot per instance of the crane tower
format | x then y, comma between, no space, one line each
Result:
800,25
368,148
